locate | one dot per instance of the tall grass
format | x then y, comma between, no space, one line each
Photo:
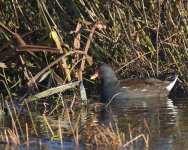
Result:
144,38
45,44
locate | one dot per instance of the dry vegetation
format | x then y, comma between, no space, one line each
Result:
44,44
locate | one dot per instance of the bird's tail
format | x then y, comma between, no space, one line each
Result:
171,85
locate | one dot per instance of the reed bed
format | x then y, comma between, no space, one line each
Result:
54,43
48,48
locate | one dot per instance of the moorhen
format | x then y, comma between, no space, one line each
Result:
112,88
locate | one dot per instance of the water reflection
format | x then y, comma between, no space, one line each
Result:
163,120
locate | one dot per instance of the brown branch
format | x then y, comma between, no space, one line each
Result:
36,48
33,80
99,25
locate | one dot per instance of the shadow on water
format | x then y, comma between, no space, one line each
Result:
165,121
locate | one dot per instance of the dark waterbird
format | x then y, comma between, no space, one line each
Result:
112,88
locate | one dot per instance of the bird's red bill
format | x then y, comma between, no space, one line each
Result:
95,75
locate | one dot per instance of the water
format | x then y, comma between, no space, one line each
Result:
165,121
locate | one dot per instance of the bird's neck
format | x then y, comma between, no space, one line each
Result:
108,89
110,83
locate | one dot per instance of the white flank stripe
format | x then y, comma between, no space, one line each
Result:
144,90
125,87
